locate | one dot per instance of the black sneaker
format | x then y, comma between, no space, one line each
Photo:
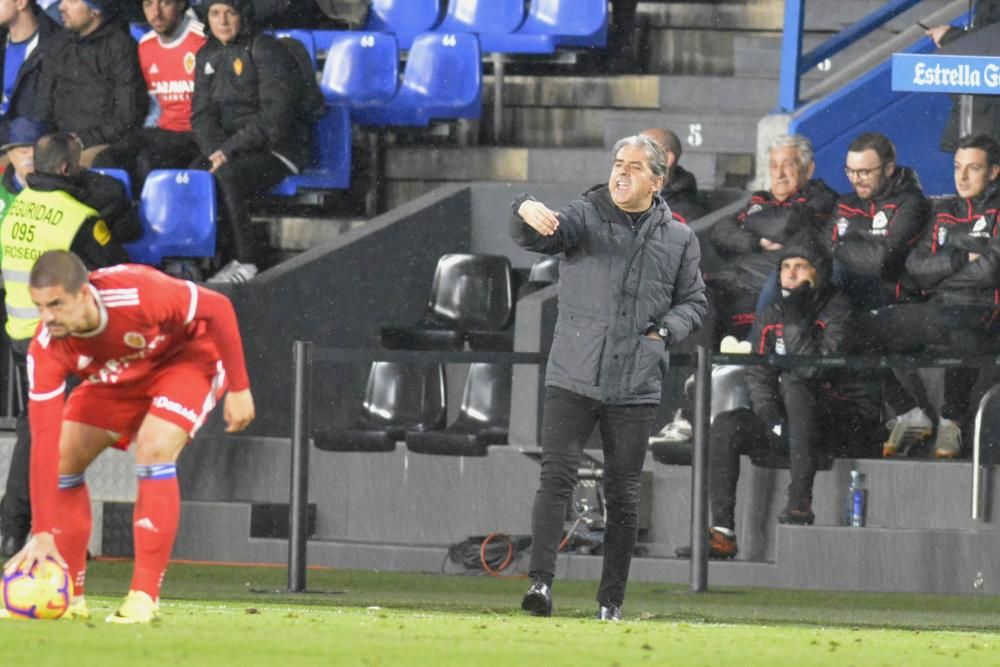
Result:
538,600
610,612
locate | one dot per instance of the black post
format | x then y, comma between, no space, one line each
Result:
699,472
299,485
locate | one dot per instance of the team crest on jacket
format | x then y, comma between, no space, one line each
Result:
841,226
189,62
979,229
880,221
238,66
135,340
942,235
779,345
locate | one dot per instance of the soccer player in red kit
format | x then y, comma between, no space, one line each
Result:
154,354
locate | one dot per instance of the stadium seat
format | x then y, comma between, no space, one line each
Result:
442,79
404,18
361,68
471,299
482,16
399,398
483,417
305,37
178,213
121,176
552,24
330,166
137,30
545,271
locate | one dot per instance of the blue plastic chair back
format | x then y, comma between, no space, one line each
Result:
442,79
554,23
483,16
137,30
178,212
119,175
330,168
303,36
404,18
361,69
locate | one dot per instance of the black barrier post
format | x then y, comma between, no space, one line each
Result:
699,472
299,486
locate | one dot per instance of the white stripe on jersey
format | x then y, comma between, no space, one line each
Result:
44,337
46,396
114,298
194,302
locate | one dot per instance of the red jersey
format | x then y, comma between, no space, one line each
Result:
146,319
169,72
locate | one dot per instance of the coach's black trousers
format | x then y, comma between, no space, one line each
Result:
567,422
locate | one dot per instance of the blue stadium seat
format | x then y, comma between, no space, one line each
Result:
330,168
178,213
121,176
482,16
361,69
404,18
442,79
303,36
554,23
137,30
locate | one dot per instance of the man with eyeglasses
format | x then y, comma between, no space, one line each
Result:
875,227
956,265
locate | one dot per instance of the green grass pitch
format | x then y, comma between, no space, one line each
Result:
220,616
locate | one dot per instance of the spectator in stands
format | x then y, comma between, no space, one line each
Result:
750,240
15,508
957,266
25,32
245,122
61,209
629,287
680,188
876,226
91,85
800,415
167,57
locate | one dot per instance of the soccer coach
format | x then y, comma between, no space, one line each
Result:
630,286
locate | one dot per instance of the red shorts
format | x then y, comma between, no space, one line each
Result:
183,391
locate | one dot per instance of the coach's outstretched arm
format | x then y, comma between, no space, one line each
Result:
217,312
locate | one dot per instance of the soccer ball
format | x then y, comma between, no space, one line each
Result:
44,592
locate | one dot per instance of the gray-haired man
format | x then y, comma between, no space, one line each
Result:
630,286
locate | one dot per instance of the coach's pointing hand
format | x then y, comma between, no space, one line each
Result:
40,547
238,410
539,216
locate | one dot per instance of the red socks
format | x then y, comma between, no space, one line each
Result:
154,525
73,531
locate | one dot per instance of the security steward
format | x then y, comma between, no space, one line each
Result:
63,208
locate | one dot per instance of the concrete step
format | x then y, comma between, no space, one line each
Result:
701,132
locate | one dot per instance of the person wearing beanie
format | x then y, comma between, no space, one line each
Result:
246,122
91,85
800,417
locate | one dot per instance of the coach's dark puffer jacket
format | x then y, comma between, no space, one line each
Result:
613,284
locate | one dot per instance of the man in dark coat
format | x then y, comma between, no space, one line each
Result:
630,286
680,187
802,415
25,31
91,85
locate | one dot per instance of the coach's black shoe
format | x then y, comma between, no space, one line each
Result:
538,600
611,612
797,513
10,545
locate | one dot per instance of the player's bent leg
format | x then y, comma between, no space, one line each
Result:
79,445
157,515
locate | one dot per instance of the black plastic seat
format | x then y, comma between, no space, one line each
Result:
471,299
398,398
545,271
483,418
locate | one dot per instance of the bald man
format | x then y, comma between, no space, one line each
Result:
680,189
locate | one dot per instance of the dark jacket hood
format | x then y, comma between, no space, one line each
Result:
808,246
681,181
245,8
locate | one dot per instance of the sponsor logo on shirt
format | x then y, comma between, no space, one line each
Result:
979,229
175,407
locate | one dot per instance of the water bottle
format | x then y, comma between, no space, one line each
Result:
856,500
